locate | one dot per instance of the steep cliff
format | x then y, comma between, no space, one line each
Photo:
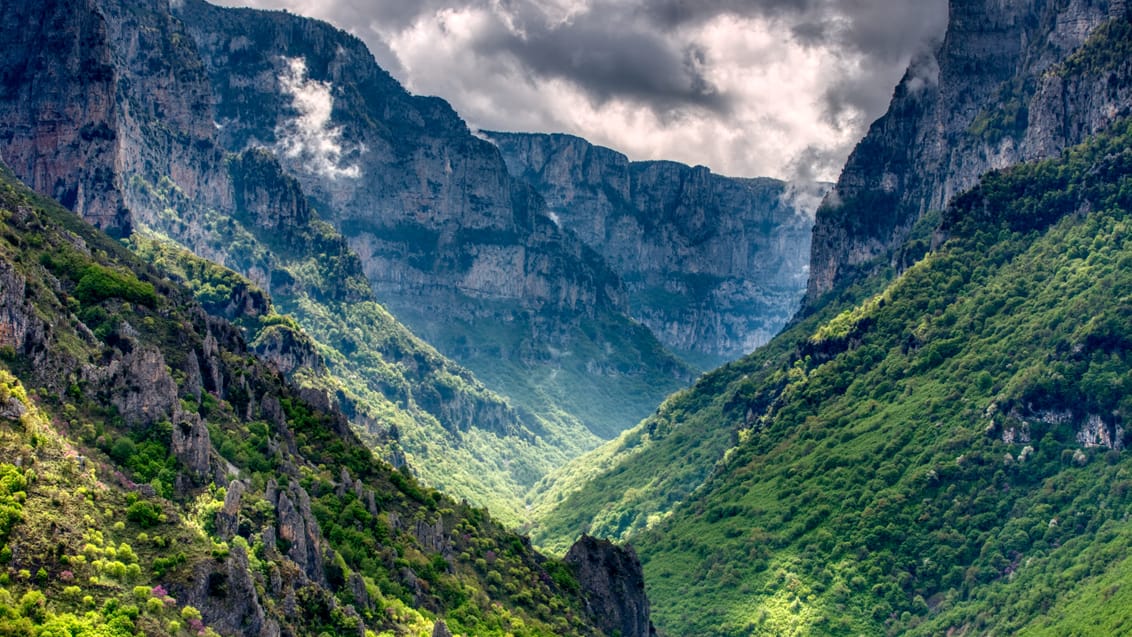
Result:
714,266
108,106
997,91
932,452
450,242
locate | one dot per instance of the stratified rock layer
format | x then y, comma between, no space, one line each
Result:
713,265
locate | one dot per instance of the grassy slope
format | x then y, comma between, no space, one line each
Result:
869,487
71,467
878,490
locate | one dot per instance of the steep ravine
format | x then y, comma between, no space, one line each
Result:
107,106
454,246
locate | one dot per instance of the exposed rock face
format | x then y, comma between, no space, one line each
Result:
143,390
227,596
287,350
62,137
449,241
192,445
21,329
436,211
613,585
996,92
299,529
713,265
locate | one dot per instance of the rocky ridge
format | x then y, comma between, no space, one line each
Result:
713,265
235,530
996,92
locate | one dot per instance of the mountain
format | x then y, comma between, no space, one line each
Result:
157,478
714,266
992,95
937,443
107,106
457,249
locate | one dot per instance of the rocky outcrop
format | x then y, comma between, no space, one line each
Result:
997,91
192,445
613,585
140,386
21,328
287,350
713,265
298,530
226,594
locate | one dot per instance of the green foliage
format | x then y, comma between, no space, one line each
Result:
99,283
1107,51
82,522
144,514
931,460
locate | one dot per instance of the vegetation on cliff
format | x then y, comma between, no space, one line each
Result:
158,478
945,453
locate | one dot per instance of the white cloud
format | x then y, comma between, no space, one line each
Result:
309,135
779,88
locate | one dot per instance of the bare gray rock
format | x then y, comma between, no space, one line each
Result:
192,445
990,96
713,265
613,586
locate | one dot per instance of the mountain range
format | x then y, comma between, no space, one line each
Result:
272,330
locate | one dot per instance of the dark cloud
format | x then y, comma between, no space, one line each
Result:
609,59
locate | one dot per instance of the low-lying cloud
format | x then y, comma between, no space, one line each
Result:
309,136
748,87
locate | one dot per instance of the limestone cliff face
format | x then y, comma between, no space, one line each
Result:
613,585
448,240
107,106
62,137
429,207
997,91
713,265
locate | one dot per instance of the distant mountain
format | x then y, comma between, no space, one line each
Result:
157,478
937,445
713,265
464,254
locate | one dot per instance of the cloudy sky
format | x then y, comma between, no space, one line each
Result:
781,88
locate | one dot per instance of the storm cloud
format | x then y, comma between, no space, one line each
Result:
748,87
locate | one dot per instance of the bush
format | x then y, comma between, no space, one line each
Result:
144,514
99,283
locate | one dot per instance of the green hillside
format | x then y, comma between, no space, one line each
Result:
944,454
407,400
157,479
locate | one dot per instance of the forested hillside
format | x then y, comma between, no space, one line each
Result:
157,478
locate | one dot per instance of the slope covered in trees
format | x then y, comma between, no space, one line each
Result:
157,478
941,452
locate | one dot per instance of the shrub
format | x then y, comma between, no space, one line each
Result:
144,514
99,283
